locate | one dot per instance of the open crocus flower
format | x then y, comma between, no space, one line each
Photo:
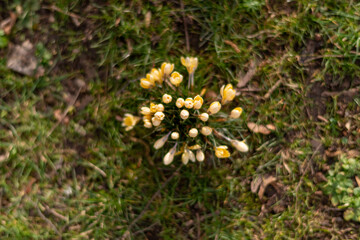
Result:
147,82
157,75
227,93
222,152
167,68
176,78
191,64
129,121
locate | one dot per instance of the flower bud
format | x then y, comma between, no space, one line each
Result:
200,156
176,78
184,114
206,131
159,115
204,117
145,111
145,83
193,132
236,112
156,75
166,98
160,108
175,135
180,102
198,102
156,122
214,107
240,145
189,103
185,157
153,107
169,157
160,142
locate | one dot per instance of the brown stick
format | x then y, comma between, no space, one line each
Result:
185,26
272,89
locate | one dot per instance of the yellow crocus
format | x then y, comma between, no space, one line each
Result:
214,107
198,102
236,112
167,68
227,93
176,78
153,108
129,121
157,75
190,63
147,82
222,152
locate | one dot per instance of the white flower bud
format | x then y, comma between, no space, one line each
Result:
191,156
180,102
240,145
236,112
206,131
175,135
193,132
160,142
159,115
185,157
156,122
184,114
145,111
200,156
160,108
166,98
169,157
214,107
204,117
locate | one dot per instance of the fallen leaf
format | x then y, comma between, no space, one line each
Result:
261,128
22,59
255,184
353,153
265,182
7,24
233,45
357,179
147,19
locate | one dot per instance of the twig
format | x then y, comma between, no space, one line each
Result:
127,233
47,220
202,218
185,26
272,89
145,229
249,75
74,17
56,214
96,168
331,56
198,226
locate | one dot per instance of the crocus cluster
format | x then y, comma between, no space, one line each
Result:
185,121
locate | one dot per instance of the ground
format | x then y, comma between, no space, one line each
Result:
69,170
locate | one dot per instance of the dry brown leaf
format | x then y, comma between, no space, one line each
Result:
261,128
233,45
255,184
7,24
265,182
357,179
353,153
147,19
22,59
333,154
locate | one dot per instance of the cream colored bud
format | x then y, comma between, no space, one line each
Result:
160,108
160,142
166,98
206,130
240,145
193,132
180,102
198,102
236,112
184,114
191,155
156,122
214,107
147,124
169,157
159,115
185,157
200,156
145,111
204,117
189,103
167,68
175,135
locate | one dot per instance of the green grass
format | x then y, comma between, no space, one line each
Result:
89,179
